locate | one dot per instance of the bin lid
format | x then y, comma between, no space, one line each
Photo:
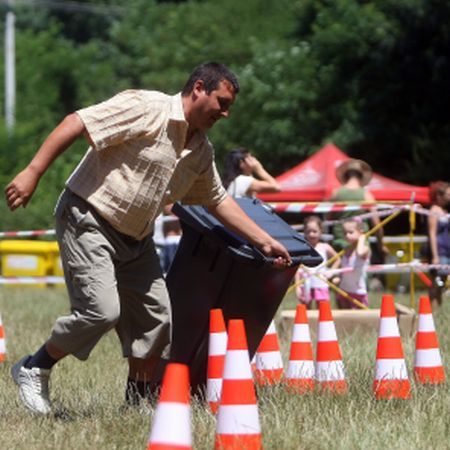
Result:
198,218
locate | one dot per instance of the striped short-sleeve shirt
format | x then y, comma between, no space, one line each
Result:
138,161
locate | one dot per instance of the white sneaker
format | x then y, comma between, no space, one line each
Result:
33,386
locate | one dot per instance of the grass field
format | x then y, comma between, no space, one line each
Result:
88,397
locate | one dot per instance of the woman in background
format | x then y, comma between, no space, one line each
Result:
439,236
245,176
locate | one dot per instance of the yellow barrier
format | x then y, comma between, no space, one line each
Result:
399,252
26,258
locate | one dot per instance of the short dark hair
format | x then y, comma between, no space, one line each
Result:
211,73
232,165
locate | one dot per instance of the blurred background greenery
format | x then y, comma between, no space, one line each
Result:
371,76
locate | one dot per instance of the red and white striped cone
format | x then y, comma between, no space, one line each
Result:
216,358
171,428
2,342
269,364
238,424
391,376
330,375
300,372
428,368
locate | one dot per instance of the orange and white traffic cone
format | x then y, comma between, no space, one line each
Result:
269,364
238,424
391,376
300,372
2,342
428,368
171,428
330,375
216,358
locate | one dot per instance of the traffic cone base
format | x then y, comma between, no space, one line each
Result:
232,442
300,386
268,376
390,389
334,387
430,375
428,368
332,377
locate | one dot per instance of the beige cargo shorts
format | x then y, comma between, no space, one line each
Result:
113,281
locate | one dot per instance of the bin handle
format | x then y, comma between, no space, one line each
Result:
296,260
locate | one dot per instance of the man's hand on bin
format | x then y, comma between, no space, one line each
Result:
277,250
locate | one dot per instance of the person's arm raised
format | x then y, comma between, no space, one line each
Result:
264,181
233,217
19,191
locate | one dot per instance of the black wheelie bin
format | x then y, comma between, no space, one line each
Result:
215,268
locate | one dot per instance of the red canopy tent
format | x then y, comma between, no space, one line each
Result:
315,179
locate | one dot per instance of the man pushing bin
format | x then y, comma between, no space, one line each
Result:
147,149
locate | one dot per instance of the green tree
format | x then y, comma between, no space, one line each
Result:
384,67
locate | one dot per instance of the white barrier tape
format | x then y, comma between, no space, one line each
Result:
319,207
406,267
426,212
326,207
376,268
322,207
8,234
32,280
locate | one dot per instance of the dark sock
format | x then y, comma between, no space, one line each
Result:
41,359
136,391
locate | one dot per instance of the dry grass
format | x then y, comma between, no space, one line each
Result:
89,397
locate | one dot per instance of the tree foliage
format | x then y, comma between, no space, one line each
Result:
370,76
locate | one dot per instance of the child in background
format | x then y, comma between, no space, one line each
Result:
313,288
357,257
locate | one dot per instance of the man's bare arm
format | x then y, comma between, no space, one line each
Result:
21,188
233,217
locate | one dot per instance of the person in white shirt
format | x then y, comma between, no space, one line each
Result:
356,257
245,176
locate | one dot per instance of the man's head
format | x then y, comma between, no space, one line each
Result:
211,74
208,95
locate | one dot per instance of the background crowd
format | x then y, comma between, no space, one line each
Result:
245,176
